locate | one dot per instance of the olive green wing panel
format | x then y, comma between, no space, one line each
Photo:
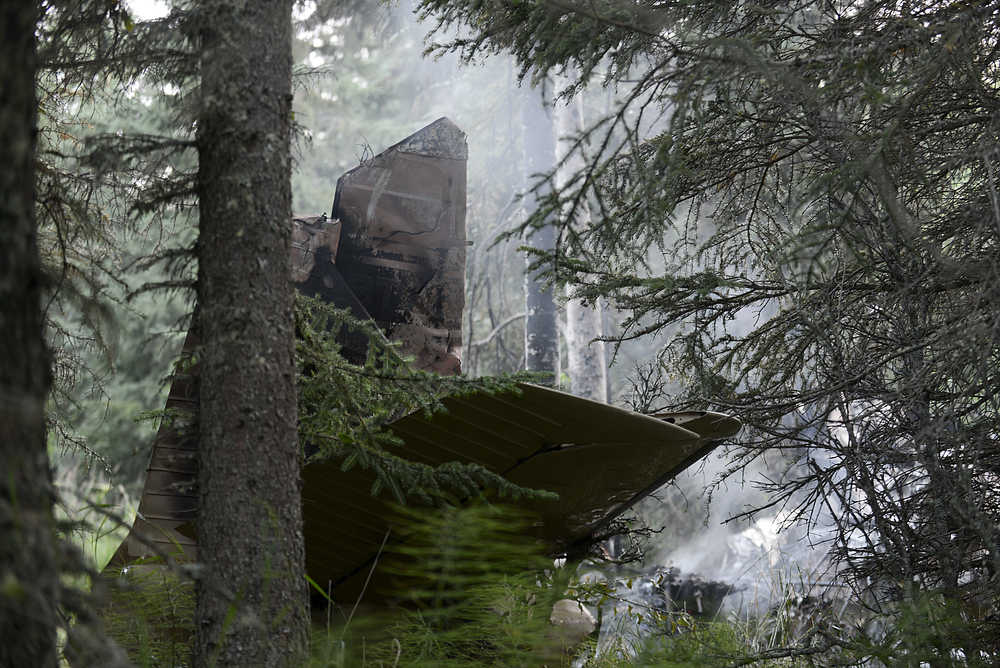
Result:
344,527
501,430
707,424
597,457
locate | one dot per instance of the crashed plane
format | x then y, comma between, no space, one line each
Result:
393,251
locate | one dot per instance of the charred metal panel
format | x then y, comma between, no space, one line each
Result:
402,247
315,240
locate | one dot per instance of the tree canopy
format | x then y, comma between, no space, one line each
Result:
796,202
801,199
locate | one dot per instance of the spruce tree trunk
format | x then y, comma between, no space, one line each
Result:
29,576
252,600
585,356
541,335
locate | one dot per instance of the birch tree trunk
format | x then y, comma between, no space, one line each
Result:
541,334
586,358
252,601
29,574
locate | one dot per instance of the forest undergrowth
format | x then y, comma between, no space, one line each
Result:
470,587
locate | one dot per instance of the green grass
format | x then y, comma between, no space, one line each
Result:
149,611
480,594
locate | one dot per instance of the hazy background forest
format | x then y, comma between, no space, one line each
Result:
780,287
362,84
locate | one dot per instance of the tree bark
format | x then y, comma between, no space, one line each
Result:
541,334
29,574
252,601
586,360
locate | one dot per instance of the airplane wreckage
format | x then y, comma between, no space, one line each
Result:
394,251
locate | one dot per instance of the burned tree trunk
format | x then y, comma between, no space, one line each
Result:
541,335
252,602
28,566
